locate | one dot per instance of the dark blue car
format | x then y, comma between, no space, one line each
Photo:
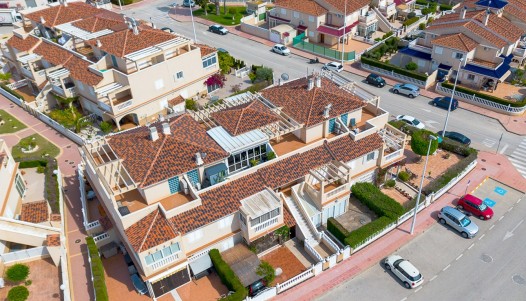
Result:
443,102
138,284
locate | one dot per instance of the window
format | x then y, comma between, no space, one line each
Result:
438,50
283,11
311,19
421,63
179,75
296,15
471,77
163,253
242,218
311,34
159,84
243,160
370,156
20,185
265,217
210,61
459,55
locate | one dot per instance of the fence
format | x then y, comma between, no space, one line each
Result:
25,255
242,72
374,237
82,187
394,75
481,102
63,252
281,287
455,180
299,42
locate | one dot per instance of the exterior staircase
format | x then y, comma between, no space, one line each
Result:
383,23
301,222
41,102
25,233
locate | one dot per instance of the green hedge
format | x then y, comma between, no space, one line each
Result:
378,202
517,104
8,90
394,68
33,164
411,21
97,270
441,6
337,229
357,236
228,277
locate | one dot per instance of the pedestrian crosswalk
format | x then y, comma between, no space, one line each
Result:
518,158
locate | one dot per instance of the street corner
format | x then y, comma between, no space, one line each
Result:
497,195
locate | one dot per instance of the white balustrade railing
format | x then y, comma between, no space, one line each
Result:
101,237
375,236
23,255
18,84
92,225
310,249
165,261
295,280
393,155
124,105
336,191
327,240
265,224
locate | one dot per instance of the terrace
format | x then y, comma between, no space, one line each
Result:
132,201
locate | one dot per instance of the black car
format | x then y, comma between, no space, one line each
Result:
218,29
167,29
443,102
375,80
256,287
458,137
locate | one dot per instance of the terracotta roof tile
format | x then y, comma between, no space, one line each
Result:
53,240
150,162
352,5
124,42
175,101
457,41
346,149
245,117
35,212
104,20
23,44
309,7
205,49
61,14
516,10
288,218
307,106
55,217
152,230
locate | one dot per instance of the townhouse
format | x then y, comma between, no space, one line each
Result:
483,40
235,173
325,21
120,69
12,193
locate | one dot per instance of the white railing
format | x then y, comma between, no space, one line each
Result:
24,255
18,84
265,224
92,225
405,216
264,295
472,98
82,188
58,89
296,199
41,73
242,72
198,255
374,237
371,16
281,287
336,191
72,91
164,261
415,81
327,240
455,180
124,105
310,249
392,155
520,52
101,237
64,269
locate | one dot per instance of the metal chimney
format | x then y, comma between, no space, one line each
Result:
327,110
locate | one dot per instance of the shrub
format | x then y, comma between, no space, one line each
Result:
449,174
283,232
455,147
191,104
266,271
8,90
385,36
41,169
271,155
404,176
411,15
33,164
390,183
122,2
227,276
337,229
252,77
422,26
412,66
420,142
232,10
430,20
410,21
393,68
264,73
378,202
226,62
28,282
358,236
17,272
18,293
105,127
97,270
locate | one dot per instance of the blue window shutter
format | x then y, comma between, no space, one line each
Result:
193,176
344,118
173,183
332,122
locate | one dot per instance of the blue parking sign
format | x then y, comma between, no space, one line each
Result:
500,190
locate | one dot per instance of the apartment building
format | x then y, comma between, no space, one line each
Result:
483,40
235,173
325,21
12,193
120,69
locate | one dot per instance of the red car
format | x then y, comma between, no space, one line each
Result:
475,206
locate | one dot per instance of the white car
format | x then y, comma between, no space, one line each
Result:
333,66
412,121
404,270
281,49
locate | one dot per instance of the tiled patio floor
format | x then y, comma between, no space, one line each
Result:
296,248
436,165
243,262
356,216
118,280
284,259
45,281
396,195
208,288
506,91
35,185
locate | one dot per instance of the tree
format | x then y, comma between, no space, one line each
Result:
67,102
5,77
264,73
411,66
203,4
217,4
17,272
420,142
226,62
18,293
266,271
216,79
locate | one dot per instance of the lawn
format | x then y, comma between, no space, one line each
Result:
11,124
45,147
225,19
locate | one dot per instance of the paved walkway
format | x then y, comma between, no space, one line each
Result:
496,166
68,159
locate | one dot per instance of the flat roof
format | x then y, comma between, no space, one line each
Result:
234,144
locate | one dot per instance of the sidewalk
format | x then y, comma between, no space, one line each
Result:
496,166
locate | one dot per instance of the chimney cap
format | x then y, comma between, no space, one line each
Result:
166,128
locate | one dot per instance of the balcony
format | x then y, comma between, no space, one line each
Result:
388,10
261,213
69,90
327,182
368,19
418,45
163,262
394,145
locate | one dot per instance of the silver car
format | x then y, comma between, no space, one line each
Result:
458,221
409,90
404,270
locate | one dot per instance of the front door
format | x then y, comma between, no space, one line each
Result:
322,38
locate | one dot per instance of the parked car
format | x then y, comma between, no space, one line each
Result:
138,284
409,90
443,102
218,29
188,3
333,66
375,80
222,50
458,137
458,221
404,270
281,49
167,29
256,287
412,121
475,206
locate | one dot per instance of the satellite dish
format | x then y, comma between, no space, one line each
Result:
284,76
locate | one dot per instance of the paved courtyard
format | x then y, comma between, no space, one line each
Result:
284,259
208,288
118,280
35,185
435,167
356,216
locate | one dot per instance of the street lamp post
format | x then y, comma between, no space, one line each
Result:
344,25
452,97
193,24
431,138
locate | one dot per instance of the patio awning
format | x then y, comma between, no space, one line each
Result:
278,18
497,73
201,264
416,53
336,32
302,27
444,67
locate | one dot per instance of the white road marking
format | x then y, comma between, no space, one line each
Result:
404,299
447,267
416,291
426,110
510,209
489,142
504,148
459,256
492,226
433,278
472,245
500,218
518,201
482,236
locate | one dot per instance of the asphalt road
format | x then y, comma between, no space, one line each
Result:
484,132
491,266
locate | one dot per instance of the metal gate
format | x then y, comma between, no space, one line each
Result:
275,37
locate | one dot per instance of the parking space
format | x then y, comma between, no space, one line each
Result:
496,195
